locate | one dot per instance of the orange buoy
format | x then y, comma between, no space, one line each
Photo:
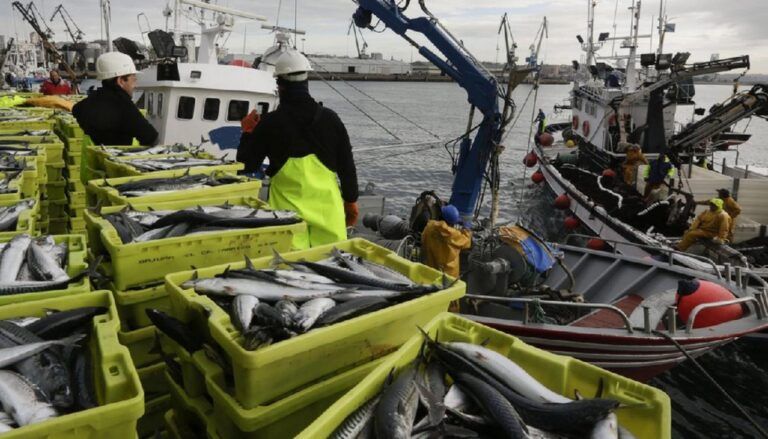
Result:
537,177
240,63
575,122
562,202
691,293
609,173
585,128
530,159
546,139
571,223
596,244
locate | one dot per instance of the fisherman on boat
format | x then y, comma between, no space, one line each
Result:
108,115
308,147
657,179
634,159
730,206
713,224
55,85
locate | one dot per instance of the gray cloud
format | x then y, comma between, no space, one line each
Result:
703,26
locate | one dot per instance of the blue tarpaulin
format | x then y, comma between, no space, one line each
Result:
537,254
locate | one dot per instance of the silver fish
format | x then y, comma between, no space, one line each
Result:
263,290
508,372
456,399
287,310
608,428
14,354
242,311
357,421
10,215
12,258
43,265
20,400
309,312
153,234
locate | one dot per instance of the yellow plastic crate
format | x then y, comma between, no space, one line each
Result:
648,411
144,263
23,185
114,169
140,344
118,389
132,303
103,192
27,125
275,371
97,154
221,417
26,222
76,263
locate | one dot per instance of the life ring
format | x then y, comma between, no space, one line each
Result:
575,122
612,119
585,128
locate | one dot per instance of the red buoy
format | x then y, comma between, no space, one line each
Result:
546,139
609,173
530,159
562,202
240,63
537,177
596,244
695,292
571,223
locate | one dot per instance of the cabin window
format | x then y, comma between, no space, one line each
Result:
211,109
151,104
237,110
263,107
186,107
160,105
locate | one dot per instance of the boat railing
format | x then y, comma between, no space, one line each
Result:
555,303
666,251
702,306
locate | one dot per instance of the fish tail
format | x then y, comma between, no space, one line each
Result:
278,260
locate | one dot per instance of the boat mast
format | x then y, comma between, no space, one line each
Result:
662,26
631,82
106,18
590,46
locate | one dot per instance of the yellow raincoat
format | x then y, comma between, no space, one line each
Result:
708,225
634,159
732,208
441,245
306,186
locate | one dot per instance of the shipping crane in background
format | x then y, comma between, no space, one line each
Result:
361,54
77,35
30,14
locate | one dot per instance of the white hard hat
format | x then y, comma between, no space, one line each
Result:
292,66
114,64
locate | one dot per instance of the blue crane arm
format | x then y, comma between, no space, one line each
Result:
481,88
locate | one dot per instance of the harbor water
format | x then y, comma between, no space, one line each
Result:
420,111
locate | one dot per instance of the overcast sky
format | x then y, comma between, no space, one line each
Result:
703,27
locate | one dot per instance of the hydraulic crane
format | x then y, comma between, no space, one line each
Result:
77,35
31,17
482,90
360,52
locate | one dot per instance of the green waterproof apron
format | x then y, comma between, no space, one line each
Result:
306,186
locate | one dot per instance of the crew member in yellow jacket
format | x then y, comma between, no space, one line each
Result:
713,223
634,159
731,207
442,242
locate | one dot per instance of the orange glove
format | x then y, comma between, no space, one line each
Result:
249,122
351,212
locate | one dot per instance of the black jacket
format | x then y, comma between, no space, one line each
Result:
297,128
109,117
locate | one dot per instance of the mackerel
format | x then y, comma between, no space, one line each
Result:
309,312
357,421
263,290
351,309
494,404
396,410
14,354
508,372
20,400
43,265
242,311
12,258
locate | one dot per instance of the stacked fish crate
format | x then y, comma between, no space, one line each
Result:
244,362
135,269
75,141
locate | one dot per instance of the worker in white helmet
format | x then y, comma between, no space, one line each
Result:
109,115
308,147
